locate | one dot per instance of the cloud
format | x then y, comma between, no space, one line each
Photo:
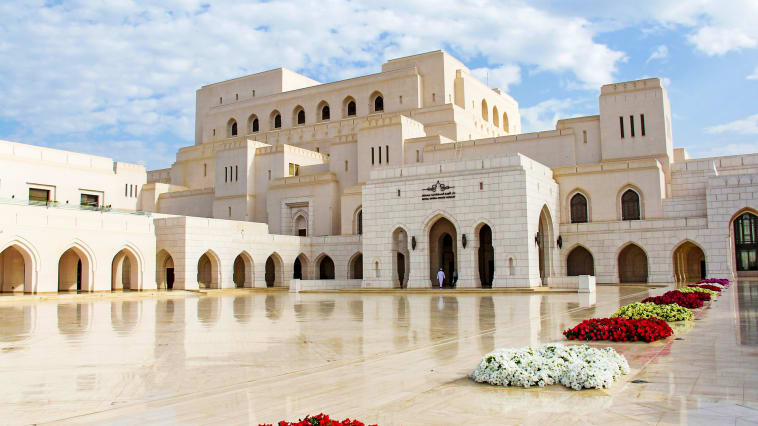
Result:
746,126
754,75
545,114
660,53
500,77
104,71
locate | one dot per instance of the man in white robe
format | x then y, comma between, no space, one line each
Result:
440,276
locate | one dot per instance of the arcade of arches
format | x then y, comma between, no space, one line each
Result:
443,250
632,265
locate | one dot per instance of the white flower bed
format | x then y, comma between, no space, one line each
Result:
576,366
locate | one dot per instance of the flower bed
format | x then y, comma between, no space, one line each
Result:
651,310
620,330
687,300
721,281
707,286
576,367
319,420
698,290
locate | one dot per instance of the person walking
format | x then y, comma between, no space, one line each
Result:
440,276
455,278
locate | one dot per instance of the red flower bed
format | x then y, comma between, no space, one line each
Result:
702,296
620,330
687,300
319,420
707,287
721,281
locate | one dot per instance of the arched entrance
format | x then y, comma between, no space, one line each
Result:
400,258
325,268
580,262
301,268
689,262
125,272
273,274
632,264
243,271
165,270
356,267
74,270
485,256
545,244
443,239
745,230
208,271
16,270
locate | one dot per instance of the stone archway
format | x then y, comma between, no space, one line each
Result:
443,251
544,244
356,267
689,262
400,258
125,271
632,264
580,262
16,270
325,268
485,256
301,268
164,270
74,270
273,274
243,271
208,271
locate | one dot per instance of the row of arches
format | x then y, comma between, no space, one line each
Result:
299,115
243,270
630,205
632,263
495,116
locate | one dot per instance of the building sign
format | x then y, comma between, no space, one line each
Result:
438,191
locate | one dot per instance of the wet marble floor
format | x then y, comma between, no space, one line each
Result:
383,358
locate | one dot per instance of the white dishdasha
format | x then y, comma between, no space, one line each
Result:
577,367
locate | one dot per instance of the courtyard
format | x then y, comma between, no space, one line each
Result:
259,356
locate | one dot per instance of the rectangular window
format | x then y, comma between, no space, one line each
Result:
621,125
236,173
631,125
225,174
345,165
642,124
269,175
294,169
372,155
126,190
418,156
387,153
131,190
90,200
584,136
205,170
380,155
39,194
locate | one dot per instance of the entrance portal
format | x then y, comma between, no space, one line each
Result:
689,263
486,257
746,242
580,262
73,271
443,239
544,242
273,273
400,258
13,270
632,264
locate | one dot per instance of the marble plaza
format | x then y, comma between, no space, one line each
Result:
247,357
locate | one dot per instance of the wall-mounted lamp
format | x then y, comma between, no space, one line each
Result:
413,242
463,240
560,242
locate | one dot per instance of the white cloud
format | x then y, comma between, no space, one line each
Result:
500,77
746,126
754,75
88,68
545,114
660,53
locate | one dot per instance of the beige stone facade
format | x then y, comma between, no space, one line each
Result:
380,181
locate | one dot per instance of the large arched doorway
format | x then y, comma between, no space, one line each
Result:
325,268
301,268
243,271
485,256
689,262
632,264
544,244
273,275
74,270
746,243
580,262
443,238
208,271
125,272
400,258
164,271
16,270
356,267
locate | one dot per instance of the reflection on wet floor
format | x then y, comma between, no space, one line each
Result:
109,353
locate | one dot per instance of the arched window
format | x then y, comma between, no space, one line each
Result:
485,110
348,107
579,209
495,117
630,205
505,123
359,223
746,242
351,109
325,113
377,102
276,120
231,128
252,124
299,115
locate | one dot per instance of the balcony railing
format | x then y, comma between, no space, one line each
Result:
64,206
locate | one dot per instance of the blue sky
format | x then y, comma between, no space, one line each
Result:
119,78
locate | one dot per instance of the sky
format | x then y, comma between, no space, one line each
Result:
118,78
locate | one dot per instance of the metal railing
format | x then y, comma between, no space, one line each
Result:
66,206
